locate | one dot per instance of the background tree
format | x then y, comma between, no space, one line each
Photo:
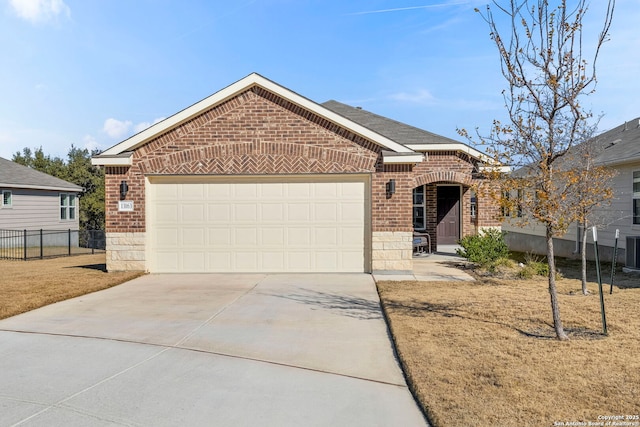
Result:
78,170
541,54
593,191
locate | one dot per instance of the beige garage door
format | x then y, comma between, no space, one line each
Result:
299,225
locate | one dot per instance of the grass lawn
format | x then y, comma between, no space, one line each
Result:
26,285
483,353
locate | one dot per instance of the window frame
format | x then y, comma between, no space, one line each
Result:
635,197
422,206
68,208
10,204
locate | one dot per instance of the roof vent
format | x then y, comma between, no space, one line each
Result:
359,108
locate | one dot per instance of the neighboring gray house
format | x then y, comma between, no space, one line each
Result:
33,200
621,151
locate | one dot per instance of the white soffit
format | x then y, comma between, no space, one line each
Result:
251,80
118,160
402,159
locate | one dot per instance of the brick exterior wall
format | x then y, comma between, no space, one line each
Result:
259,133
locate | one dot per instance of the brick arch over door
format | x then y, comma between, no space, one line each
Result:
443,176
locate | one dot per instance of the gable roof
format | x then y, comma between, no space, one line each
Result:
121,153
407,135
13,175
620,144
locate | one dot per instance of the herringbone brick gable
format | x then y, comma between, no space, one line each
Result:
257,132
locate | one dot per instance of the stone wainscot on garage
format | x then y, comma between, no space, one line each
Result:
256,178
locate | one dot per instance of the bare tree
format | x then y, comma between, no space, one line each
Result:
542,59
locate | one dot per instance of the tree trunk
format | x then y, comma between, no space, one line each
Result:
583,252
555,308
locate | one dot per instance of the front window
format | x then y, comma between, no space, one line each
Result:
474,205
419,222
6,199
67,206
636,197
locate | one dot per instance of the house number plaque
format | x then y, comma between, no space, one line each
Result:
125,205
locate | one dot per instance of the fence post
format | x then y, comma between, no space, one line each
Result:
41,249
69,247
24,244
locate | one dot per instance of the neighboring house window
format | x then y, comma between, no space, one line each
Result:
419,222
67,206
506,205
636,197
6,199
474,205
520,200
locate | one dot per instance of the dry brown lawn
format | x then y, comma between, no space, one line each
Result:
483,353
26,285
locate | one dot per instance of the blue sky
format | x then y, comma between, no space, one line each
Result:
91,73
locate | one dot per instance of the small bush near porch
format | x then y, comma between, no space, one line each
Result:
483,353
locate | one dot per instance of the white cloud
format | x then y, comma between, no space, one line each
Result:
90,143
144,125
117,129
36,11
421,96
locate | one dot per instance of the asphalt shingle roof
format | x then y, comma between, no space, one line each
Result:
621,144
13,175
399,132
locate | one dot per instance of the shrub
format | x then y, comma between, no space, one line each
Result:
484,248
534,266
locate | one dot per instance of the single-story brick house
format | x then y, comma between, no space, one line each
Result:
256,178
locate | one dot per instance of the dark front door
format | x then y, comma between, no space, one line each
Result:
448,215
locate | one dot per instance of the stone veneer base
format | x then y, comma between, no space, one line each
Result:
126,251
392,251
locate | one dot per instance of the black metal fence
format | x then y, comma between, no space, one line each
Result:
30,244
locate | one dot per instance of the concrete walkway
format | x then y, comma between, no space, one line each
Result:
443,265
203,350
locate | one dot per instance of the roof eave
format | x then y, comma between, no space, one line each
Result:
41,187
402,158
112,160
232,90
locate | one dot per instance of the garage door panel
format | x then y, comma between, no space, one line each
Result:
167,237
272,236
244,237
219,212
192,213
298,211
272,212
168,261
166,213
245,212
325,212
193,237
257,227
192,192
220,237
272,261
220,261
194,261
298,237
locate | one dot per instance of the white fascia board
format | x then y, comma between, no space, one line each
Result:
102,160
450,147
238,87
413,158
42,187
500,169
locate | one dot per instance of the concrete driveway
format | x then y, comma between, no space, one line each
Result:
205,350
